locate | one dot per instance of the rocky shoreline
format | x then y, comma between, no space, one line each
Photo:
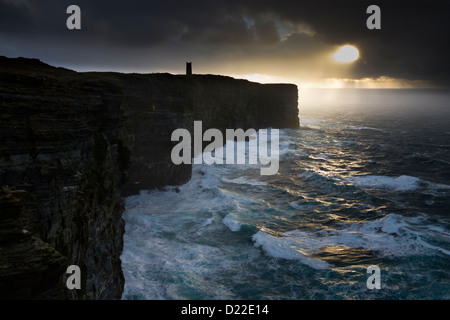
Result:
74,144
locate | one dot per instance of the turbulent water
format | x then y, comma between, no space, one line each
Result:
365,181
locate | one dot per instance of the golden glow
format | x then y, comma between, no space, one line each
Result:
337,83
261,78
346,53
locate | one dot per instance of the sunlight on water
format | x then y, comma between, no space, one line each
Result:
356,187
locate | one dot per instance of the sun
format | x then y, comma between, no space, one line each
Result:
346,53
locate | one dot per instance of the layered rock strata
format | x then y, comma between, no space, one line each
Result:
74,144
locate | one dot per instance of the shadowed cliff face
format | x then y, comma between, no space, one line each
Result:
157,104
72,144
61,179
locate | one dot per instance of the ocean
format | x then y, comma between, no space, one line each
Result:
364,181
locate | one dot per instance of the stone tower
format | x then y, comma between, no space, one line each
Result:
188,68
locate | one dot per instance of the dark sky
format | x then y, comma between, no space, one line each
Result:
281,39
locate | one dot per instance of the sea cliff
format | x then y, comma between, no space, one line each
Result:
74,144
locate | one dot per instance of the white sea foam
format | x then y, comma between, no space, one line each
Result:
159,260
185,243
207,222
320,156
302,205
401,183
305,174
231,222
320,175
287,147
365,128
245,180
391,236
287,247
312,123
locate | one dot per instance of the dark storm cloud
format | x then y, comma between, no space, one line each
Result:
14,17
412,44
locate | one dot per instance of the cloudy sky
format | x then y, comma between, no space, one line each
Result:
262,40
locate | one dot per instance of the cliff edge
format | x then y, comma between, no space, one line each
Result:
73,144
